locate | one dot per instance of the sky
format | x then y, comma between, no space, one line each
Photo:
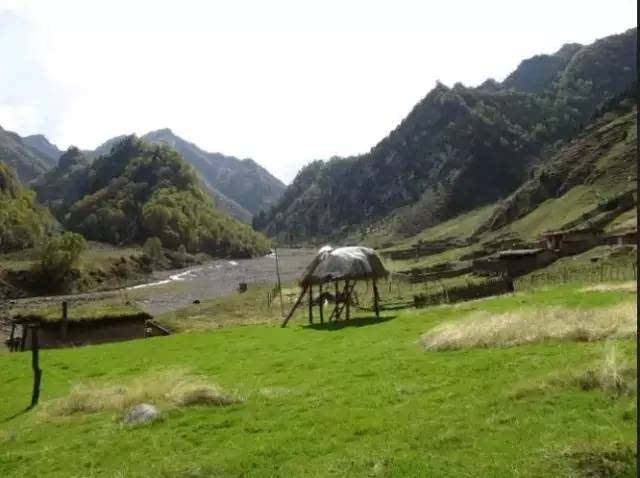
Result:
284,82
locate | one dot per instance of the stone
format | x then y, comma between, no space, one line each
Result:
140,414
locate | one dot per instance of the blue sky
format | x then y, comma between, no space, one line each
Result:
283,82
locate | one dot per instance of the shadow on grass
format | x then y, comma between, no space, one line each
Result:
341,324
16,415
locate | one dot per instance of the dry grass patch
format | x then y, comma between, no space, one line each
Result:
609,374
167,389
527,326
631,286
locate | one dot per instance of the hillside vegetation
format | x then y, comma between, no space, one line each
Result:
24,155
23,223
459,149
139,191
241,186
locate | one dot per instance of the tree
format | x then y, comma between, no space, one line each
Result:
153,249
60,253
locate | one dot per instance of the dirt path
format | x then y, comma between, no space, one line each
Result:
171,290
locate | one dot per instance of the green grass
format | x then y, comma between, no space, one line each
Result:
93,310
625,221
460,227
552,214
450,255
97,256
358,399
250,307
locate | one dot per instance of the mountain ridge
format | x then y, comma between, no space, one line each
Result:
458,148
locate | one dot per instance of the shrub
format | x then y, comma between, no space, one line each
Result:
60,253
153,249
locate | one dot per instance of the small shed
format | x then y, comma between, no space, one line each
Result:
514,262
572,241
343,267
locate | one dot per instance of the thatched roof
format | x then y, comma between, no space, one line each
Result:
343,263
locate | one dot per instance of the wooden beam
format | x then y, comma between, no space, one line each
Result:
321,306
376,298
35,365
345,294
347,300
295,306
335,304
311,304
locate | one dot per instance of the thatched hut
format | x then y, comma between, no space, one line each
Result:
343,267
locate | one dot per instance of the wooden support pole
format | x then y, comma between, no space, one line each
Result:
321,306
375,299
275,251
311,304
65,321
335,303
11,337
295,306
347,299
35,365
23,339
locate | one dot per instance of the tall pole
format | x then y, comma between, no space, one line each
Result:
35,364
279,284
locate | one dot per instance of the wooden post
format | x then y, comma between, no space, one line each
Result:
275,250
295,306
311,304
23,339
335,304
321,306
375,299
11,337
37,373
347,298
65,322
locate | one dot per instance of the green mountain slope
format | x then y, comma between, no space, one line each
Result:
600,162
40,144
138,191
243,181
27,161
459,148
22,222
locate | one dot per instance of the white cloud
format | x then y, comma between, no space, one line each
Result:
284,82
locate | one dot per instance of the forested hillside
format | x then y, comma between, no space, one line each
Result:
459,148
138,191
243,181
22,154
243,188
603,155
22,222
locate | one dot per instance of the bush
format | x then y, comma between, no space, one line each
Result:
153,249
59,254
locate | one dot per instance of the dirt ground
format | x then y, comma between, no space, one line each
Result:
171,290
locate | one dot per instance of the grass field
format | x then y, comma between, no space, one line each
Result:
353,399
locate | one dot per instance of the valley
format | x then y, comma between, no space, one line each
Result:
459,300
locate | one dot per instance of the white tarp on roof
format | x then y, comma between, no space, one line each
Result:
344,263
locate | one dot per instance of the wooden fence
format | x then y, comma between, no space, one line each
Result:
463,292
578,274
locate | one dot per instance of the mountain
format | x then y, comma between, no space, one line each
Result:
536,74
601,158
27,160
22,222
243,188
138,191
41,144
458,149
243,181
104,148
